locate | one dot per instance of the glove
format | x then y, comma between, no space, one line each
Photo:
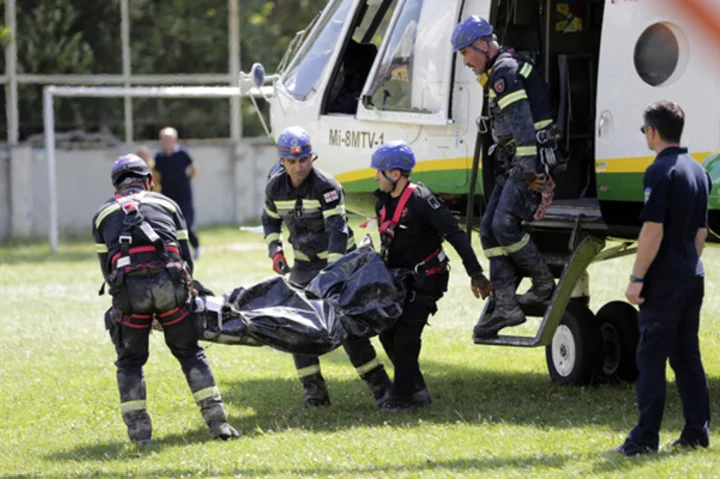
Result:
280,265
536,181
481,286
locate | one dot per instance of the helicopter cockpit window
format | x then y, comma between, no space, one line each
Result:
657,54
308,65
412,74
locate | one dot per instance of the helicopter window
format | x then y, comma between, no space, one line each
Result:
657,54
314,55
411,76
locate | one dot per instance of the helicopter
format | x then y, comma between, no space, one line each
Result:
370,71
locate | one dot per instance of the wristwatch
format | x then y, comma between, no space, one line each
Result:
636,279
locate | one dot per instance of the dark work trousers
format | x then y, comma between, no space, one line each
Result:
504,241
186,205
360,351
402,342
155,295
669,320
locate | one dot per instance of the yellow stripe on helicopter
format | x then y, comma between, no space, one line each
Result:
636,164
425,165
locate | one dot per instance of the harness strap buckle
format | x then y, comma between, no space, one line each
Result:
125,239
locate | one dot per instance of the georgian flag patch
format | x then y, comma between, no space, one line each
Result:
331,196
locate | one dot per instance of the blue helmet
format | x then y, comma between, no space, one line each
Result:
294,142
469,30
395,155
129,165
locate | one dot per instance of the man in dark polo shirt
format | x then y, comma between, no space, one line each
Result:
175,169
667,282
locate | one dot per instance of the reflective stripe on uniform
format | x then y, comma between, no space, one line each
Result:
495,252
338,210
272,237
159,201
511,98
492,94
368,366
271,213
515,247
526,69
542,124
350,243
308,371
284,205
310,203
101,247
300,256
526,151
182,234
103,214
322,255
133,406
211,392
332,257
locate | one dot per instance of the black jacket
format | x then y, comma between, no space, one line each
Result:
159,211
314,213
422,229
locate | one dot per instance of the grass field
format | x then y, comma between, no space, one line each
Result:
495,412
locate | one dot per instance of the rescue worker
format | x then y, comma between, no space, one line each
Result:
413,224
526,155
311,204
667,282
141,240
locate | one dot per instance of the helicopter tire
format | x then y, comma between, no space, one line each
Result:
575,352
620,335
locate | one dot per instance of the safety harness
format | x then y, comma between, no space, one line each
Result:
435,263
148,257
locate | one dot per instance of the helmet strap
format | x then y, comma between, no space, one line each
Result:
392,182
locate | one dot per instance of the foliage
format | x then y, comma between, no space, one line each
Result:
495,413
167,37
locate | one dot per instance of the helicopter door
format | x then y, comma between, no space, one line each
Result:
410,80
644,57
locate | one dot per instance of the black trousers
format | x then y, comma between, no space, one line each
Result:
669,320
403,342
155,295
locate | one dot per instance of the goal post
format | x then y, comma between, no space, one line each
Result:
247,89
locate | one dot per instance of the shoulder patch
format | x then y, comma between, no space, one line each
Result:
499,86
330,196
647,194
433,202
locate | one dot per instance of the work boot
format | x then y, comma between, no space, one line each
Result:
395,404
213,412
379,383
540,292
506,313
316,392
421,397
139,426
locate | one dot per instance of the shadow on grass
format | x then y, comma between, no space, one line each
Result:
121,448
533,462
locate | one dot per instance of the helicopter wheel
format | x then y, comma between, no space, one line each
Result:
620,336
575,353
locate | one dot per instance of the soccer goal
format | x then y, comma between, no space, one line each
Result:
251,85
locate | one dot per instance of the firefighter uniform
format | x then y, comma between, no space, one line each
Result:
314,214
526,142
141,240
413,224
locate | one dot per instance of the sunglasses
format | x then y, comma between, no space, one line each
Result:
644,128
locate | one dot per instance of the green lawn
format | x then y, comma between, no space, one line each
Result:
495,411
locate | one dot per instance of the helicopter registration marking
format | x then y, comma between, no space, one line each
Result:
355,139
